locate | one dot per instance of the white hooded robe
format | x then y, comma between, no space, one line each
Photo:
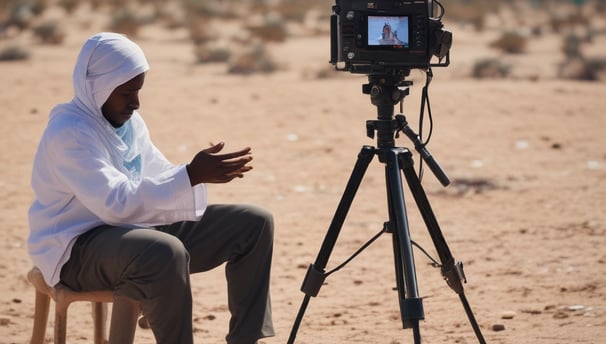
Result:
82,173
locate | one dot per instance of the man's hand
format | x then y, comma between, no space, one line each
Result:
210,167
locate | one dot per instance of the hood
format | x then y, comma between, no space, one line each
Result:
106,61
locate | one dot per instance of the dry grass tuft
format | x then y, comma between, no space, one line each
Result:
511,42
125,21
490,68
50,32
270,28
212,52
14,52
252,59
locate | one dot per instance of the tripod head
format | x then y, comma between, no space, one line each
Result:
387,90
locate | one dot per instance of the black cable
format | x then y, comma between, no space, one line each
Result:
434,262
442,10
425,100
355,254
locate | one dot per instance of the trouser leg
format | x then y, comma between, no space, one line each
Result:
242,236
153,266
142,264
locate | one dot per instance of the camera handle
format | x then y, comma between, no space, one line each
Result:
385,92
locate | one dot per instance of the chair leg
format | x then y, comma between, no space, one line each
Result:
124,320
40,318
60,320
100,320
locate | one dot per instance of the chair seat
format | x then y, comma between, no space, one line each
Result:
124,313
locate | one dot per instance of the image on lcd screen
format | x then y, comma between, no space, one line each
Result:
388,31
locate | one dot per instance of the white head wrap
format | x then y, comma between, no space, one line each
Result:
106,61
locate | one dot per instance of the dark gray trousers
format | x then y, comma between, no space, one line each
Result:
152,266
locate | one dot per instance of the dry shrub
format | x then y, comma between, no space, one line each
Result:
271,28
68,5
296,10
170,16
593,69
14,52
200,31
558,22
212,52
571,47
490,68
511,42
203,8
252,59
125,21
49,32
19,15
472,11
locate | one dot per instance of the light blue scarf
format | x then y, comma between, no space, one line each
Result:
126,133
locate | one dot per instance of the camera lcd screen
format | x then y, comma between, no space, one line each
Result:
388,31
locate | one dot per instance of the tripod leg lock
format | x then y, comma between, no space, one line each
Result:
314,278
412,311
455,277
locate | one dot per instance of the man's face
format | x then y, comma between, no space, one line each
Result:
123,101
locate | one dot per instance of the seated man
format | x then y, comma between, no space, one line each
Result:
111,212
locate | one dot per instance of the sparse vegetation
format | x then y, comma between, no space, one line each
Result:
271,28
125,21
219,29
511,42
490,68
212,52
14,52
50,32
576,65
580,68
68,5
252,59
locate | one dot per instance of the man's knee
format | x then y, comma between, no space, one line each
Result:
160,263
164,256
264,219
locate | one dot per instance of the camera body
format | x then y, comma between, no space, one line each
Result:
387,35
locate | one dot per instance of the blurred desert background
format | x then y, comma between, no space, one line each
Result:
519,127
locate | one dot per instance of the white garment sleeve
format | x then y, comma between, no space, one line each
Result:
85,167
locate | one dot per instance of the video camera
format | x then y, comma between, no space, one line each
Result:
375,37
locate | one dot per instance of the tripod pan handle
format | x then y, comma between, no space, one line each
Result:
433,165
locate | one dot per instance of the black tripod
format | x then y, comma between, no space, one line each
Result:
386,91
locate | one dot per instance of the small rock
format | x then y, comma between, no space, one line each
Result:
508,315
498,327
575,308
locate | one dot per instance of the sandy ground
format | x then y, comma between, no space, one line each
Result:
525,212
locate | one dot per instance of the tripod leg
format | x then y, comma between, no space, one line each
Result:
451,271
315,274
411,306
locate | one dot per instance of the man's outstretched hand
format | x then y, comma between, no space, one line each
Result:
208,166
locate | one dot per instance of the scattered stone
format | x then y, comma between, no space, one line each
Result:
575,308
498,327
508,315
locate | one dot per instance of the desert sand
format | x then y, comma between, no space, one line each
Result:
525,211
